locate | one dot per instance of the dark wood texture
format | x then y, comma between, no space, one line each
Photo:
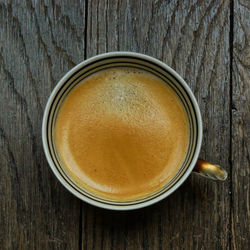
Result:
39,43
241,126
193,38
207,42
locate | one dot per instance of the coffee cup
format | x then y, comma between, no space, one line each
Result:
190,163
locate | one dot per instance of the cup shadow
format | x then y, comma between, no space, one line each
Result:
188,199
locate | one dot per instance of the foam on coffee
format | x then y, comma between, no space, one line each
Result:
122,133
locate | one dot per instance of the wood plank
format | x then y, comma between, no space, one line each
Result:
193,38
39,42
241,126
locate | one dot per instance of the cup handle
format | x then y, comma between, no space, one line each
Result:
210,171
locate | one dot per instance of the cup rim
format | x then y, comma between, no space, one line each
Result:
147,202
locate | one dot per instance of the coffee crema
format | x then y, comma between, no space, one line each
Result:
122,133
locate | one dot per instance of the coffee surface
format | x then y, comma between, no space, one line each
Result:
122,133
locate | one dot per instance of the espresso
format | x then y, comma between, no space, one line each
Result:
122,133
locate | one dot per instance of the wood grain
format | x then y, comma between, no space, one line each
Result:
207,42
241,126
193,38
39,43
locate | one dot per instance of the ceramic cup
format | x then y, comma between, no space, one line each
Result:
170,77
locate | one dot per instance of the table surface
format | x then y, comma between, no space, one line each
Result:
206,42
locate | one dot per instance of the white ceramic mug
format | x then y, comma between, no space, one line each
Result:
170,77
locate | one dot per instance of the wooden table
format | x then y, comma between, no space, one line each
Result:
207,42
